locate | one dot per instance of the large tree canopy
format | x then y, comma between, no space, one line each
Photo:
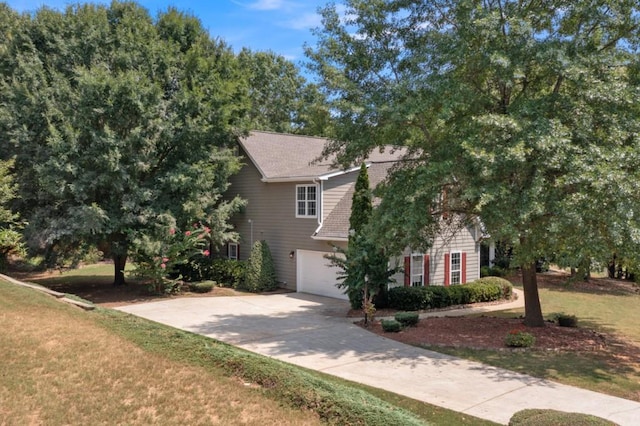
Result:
116,120
280,98
525,112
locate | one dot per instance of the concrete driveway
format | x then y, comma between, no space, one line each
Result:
311,331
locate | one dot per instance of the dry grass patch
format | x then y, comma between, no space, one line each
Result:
60,367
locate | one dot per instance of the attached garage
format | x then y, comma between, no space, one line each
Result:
314,275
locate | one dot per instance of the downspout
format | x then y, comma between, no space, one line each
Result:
320,207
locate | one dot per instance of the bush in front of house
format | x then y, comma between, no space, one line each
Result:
492,271
409,298
505,285
487,289
391,326
407,319
261,273
227,272
202,286
546,417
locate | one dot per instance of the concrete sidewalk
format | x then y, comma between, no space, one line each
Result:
308,331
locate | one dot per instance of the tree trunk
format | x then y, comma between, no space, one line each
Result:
119,262
532,309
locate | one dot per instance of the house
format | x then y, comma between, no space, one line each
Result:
301,208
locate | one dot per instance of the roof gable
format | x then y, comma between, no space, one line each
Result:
279,156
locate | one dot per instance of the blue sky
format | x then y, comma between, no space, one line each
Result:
282,26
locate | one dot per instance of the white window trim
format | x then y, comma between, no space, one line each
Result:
411,274
235,251
306,207
451,270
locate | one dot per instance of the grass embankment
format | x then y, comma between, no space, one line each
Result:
611,370
62,365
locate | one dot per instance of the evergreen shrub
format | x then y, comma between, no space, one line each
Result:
407,319
391,326
261,273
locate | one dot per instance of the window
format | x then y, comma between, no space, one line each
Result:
306,200
233,251
456,267
417,270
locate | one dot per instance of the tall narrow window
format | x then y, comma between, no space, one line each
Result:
306,200
417,270
233,251
456,268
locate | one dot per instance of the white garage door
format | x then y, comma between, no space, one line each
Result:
315,276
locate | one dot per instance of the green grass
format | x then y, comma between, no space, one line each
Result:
89,359
598,371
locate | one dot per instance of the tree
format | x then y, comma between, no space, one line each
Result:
10,239
281,100
365,265
117,120
524,113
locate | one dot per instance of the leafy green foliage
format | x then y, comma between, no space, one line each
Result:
420,298
391,326
566,320
547,417
526,115
202,286
260,273
281,100
407,319
363,262
158,255
519,339
115,121
10,239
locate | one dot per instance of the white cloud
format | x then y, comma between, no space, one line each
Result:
267,4
304,21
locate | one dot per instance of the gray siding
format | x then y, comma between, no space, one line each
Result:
334,190
462,240
272,209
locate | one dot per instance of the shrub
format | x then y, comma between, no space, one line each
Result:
540,417
492,271
260,273
410,298
202,286
228,273
439,297
505,285
486,289
519,339
407,319
391,326
565,320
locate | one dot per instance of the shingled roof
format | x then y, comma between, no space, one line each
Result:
288,157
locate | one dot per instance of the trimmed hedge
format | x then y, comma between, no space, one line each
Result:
486,289
202,286
407,319
540,417
391,326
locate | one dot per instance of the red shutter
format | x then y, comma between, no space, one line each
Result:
426,269
463,277
407,271
447,268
